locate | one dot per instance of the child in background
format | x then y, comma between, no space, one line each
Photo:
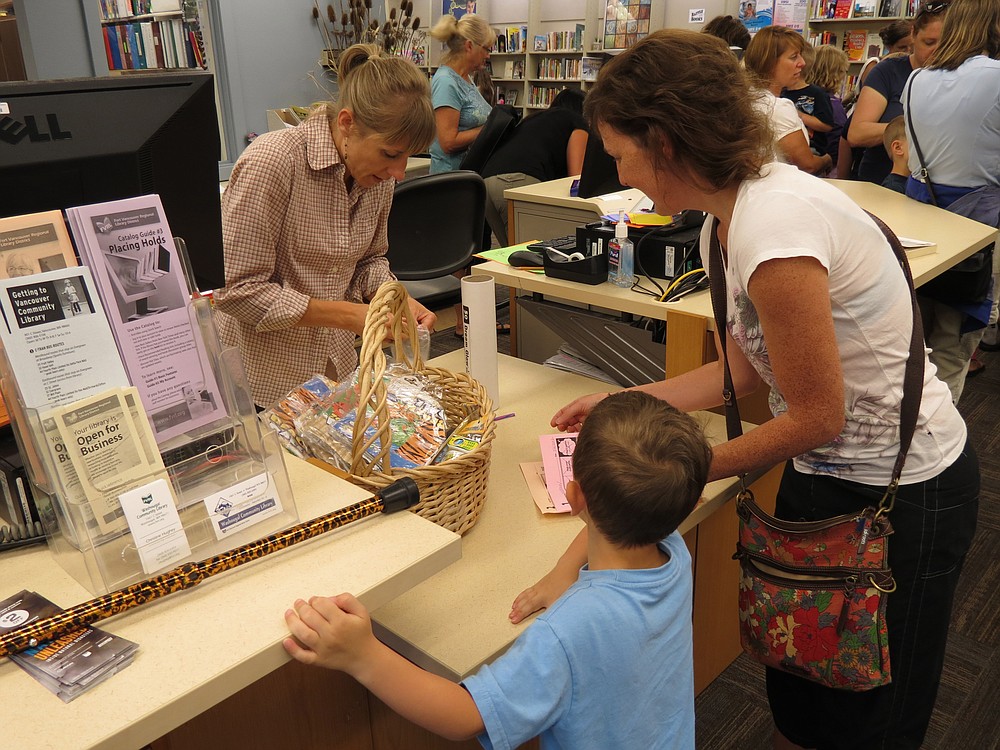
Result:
828,72
609,664
896,145
812,103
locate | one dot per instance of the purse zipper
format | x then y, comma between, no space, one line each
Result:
799,527
848,580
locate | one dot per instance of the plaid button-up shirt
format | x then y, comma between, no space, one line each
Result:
292,232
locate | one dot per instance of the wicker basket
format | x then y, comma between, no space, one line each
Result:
453,492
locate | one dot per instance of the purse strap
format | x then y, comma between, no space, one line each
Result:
913,377
924,174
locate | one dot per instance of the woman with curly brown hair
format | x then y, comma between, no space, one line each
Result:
818,311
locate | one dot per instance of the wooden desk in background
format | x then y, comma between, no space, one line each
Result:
546,210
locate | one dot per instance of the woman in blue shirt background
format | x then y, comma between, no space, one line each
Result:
459,109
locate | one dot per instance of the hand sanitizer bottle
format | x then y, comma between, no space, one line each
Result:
615,250
621,256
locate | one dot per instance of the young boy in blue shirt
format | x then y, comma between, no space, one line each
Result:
609,664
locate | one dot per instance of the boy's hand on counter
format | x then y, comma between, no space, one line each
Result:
332,632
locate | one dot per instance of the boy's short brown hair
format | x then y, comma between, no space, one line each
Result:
642,465
895,130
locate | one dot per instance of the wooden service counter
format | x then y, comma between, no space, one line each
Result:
202,646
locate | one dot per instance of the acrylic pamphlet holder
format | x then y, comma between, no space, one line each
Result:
219,486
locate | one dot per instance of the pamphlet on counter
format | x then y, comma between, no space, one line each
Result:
139,275
70,664
547,480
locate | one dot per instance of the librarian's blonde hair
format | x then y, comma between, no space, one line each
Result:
828,69
453,33
387,95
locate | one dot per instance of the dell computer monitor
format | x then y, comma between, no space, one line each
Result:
599,174
74,142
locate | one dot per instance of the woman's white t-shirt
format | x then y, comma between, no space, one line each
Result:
783,116
786,213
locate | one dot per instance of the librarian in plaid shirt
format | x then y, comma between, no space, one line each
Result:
304,225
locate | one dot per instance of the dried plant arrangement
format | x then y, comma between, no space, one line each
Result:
343,27
401,34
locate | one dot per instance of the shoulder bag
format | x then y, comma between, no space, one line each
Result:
812,595
967,282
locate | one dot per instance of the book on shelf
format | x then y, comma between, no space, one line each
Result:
518,70
541,43
500,45
843,9
816,38
517,38
854,44
873,45
864,8
34,243
147,45
508,96
890,8
140,278
590,67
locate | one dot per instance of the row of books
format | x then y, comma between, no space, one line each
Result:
585,68
112,9
558,41
823,9
541,96
510,69
511,39
859,44
68,665
145,45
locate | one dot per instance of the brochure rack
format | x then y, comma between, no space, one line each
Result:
227,480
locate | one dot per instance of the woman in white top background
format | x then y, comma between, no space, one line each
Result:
774,58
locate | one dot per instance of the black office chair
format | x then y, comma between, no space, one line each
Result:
435,226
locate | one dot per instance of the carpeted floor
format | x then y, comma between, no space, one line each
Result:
732,712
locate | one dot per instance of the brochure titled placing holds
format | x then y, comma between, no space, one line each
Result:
140,277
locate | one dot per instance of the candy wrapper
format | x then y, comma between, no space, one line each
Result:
281,417
465,438
418,425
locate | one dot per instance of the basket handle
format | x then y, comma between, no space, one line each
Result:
389,308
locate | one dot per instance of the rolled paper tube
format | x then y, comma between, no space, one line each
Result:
399,495
479,318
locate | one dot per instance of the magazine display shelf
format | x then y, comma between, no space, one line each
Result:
232,462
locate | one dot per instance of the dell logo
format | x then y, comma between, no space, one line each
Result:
14,131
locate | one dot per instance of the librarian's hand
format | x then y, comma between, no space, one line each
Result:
422,315
332,632
572,416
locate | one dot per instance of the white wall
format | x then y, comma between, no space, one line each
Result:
676,16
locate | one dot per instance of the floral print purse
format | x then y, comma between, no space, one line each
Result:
812,595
